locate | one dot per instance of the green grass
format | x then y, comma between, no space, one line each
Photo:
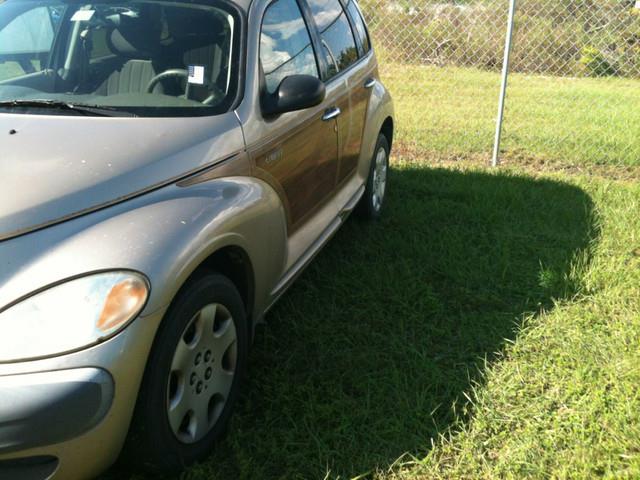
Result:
562,400
451,112
488,327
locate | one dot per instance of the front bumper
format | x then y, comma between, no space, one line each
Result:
67,417
77,399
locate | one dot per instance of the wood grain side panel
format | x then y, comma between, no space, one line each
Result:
302,164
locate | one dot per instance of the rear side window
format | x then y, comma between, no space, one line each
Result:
361,30
285,44
335,33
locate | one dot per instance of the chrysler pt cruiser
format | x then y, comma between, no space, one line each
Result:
167,170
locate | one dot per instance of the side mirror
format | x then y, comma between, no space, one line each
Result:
295,92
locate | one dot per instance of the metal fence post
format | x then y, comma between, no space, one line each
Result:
503,87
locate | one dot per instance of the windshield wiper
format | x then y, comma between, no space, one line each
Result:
94,110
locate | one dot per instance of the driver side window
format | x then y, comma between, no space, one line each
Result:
285,44
26,41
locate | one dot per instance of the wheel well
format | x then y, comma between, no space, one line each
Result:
387,130
233,262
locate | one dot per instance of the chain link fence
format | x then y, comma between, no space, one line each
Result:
574,78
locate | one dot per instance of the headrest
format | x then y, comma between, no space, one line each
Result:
137,37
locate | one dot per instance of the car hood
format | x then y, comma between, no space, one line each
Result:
55,167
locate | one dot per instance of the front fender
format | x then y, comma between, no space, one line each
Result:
165,234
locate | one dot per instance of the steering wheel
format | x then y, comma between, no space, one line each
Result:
216,93
173,72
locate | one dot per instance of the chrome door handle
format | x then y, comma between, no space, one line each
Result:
331,113
370,83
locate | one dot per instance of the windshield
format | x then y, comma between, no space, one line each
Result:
148,58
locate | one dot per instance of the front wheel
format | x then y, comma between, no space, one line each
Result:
192,378
372,200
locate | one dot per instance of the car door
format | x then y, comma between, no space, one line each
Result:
346,64
299,155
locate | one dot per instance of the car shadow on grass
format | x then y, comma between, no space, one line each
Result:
369,354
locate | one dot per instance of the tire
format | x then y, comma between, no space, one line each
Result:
372,201
187,376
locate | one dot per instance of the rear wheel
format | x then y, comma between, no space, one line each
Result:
192,378
372,200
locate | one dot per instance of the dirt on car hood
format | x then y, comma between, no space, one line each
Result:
56,167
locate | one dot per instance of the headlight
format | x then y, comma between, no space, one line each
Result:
72,315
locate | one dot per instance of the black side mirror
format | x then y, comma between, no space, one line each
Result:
295,92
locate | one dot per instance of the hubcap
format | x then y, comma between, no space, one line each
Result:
379,179
202,372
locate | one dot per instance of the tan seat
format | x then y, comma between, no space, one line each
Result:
132,77
136,47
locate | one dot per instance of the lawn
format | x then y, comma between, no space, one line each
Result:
451,112
488,326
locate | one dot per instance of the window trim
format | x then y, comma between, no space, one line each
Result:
357,63
320,67
317,37
325,77
356,37
354,28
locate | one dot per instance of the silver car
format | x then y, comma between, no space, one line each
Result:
168,168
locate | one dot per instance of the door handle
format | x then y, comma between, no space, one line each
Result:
370,83
331,113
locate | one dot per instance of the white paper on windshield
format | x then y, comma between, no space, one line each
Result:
82,15
196,74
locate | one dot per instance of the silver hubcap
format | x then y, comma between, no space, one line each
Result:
379,178
202,372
